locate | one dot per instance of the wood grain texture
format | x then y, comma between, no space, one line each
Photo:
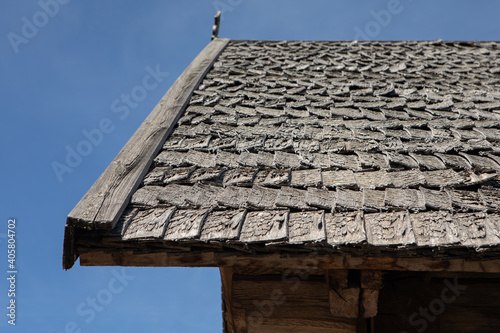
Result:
265,226
222,225
306,227
434,228
277,262
306,178
292,197
262,197
320,198
149,223
146,196
103,204
406,178
175,195
185,224
344,303
338,178
345,228
392,228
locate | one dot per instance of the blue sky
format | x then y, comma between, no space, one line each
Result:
59,81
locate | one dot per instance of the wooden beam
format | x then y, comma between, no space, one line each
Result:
343,296
226,275
369,302
371,283
278,264
106,200
344,303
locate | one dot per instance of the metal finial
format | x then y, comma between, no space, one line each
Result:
215,28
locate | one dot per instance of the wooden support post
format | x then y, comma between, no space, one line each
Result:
226,274
240,321
371,283
344,300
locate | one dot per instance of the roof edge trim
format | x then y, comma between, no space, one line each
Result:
103,204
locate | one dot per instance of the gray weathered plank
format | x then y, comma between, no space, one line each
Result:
106,200
490,197
373,179
436,199
146,196
202,195
178,174
306,227
349,162
262,197
286,160
273,177
149,223
373,199
345,228
155,176
454,161
175,195
239,176
401,159
473,229
320,198
171,158
391,228
442,178
265,226
434,228
225,158
372,160
265,159
315,160
292,197
482,163
429,162
185,224
407,178
306,178
404,198
247,159
222,225
338,178
464,200
206,174
234,196
348,199
200,159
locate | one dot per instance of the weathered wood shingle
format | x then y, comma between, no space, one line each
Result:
279,145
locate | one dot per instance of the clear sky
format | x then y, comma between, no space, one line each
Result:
64,66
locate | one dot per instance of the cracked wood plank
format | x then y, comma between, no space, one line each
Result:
338,178
292,197
345,228
404,198
222,225
185,224
265,226
149,224
391,228
434,228
306,178
262,197
146,196
306,227
175,195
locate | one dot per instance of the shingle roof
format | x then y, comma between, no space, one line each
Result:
338,146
